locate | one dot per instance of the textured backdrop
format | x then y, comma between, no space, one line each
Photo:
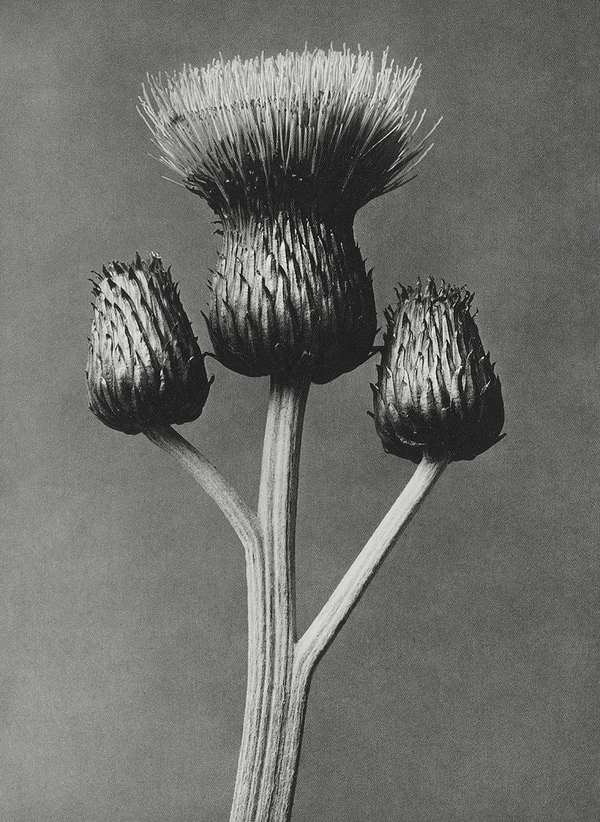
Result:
465,685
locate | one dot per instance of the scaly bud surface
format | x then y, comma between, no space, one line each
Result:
292,295
285,150
145,368
437,391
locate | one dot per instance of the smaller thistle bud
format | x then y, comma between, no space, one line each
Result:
436,392
145,368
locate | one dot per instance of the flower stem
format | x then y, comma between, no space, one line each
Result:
265,783
247,527
311,647
279,667
239,514
323,630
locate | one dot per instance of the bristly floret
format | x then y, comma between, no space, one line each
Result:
324,130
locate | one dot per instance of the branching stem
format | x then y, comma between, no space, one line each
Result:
239,514
280,668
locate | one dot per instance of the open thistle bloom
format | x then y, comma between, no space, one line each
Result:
285,150
145,368
436,391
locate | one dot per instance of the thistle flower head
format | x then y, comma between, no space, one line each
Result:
285,150
437,391
324,129
145,368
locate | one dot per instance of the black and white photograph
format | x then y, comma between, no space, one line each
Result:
299,389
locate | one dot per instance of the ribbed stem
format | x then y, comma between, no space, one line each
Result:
264,785
311,647
279,667
307,651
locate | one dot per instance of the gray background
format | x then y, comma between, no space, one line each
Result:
465,686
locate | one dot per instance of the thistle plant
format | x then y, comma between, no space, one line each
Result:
285,151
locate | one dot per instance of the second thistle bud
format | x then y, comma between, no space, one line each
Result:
437,391
145,368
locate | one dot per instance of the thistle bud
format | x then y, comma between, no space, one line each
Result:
437,392
145,368
285,150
